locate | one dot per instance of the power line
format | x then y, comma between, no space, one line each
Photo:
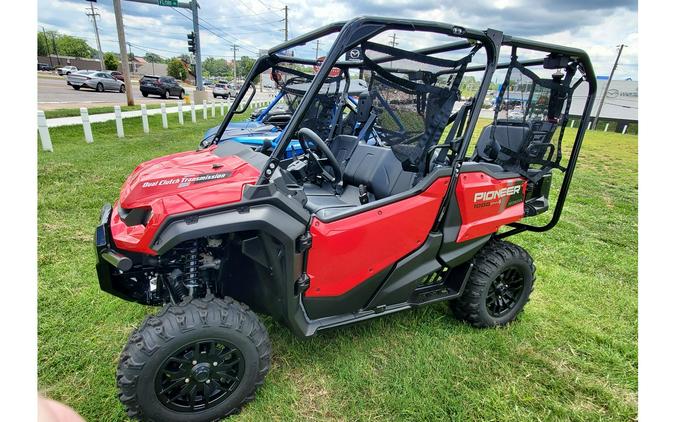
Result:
93,15
201,25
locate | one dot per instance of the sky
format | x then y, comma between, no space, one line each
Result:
597,26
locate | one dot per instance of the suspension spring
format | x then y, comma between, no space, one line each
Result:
192,265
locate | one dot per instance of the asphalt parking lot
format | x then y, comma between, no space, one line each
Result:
54,93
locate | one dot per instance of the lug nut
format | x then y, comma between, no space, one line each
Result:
187,379
208,381
215,363
194,362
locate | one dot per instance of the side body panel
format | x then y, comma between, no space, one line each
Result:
486,203
349,251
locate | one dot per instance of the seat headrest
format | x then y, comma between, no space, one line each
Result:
363,107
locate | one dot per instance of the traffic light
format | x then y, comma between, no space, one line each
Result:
191,42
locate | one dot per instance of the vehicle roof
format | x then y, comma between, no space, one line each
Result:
422,25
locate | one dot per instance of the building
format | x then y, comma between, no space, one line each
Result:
621,104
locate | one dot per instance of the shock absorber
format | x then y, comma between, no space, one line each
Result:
192,267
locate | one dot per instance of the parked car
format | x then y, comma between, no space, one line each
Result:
45,67
164,86
222,89
66,70
117,75
100,81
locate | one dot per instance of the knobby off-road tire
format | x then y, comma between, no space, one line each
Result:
152,350
501,270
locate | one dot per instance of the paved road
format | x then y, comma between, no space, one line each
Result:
54,93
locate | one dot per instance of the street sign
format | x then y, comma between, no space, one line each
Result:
170,3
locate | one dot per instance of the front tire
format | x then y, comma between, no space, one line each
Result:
123,89
145,94
76,88
199,360
499,286
165,95
99,87
180,95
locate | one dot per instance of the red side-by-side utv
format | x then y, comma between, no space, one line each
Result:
390,203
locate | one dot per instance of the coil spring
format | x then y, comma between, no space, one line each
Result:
192,265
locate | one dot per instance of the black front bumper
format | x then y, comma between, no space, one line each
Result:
109,262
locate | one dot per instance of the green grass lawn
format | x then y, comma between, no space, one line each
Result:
71,112
572,355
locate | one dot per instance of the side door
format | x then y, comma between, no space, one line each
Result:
174,88
110,82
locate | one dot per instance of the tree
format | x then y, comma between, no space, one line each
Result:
44,44
66,45
216,67
176,69
153,58
110,60
73,46
244,67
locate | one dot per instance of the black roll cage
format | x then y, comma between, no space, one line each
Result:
355,31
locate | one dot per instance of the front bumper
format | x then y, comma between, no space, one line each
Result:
109,262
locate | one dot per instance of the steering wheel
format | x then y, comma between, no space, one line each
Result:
316,139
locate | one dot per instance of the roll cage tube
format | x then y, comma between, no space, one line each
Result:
261,65
352,34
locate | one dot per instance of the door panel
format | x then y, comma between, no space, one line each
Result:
486,204
347,252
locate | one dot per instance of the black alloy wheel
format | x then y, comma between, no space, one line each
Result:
200,375
498,287
505,292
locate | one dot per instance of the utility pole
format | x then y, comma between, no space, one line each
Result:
56,50
117,6
317,49
234,50
198,49
393,43
47,45
609,81
93,15
285,23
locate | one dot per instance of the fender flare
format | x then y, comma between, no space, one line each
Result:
265,218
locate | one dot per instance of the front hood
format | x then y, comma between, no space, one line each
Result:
180,183
196,179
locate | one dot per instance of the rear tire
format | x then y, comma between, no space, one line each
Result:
165,95
201,348
499,286
180,95
76,88
145,94
99,87
123,88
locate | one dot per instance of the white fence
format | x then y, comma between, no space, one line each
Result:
85,120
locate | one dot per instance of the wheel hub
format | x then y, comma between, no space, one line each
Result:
201,372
